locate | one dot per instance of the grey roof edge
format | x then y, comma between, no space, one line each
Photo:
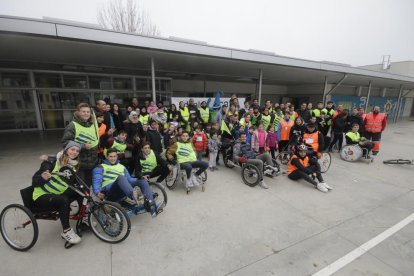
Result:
87,33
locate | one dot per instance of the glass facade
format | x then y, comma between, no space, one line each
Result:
58,95
17,110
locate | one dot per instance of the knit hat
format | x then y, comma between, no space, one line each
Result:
72,144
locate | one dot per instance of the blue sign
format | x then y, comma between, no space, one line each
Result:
387,105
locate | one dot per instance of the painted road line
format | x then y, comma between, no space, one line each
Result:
359,251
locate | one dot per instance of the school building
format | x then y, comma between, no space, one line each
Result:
48,66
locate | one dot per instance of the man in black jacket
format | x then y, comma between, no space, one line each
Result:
154,137
304,112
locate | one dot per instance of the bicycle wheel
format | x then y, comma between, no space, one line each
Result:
325,162
159,194
250,175
109,222
398,162
171,180
18,227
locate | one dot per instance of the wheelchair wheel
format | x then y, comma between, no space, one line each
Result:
203,176
325,162
250,175
283,158
18,227
109,222
171,180
160,196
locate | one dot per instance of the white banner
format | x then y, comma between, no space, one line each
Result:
197,101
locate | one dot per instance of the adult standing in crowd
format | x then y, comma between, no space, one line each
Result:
133,106
338,129
117,116
101,106
375,123
304,112
354,118
133,127
83,129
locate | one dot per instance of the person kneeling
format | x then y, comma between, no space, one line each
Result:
112,181
301,166
186,156
150,164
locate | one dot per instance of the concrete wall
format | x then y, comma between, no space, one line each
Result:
405,68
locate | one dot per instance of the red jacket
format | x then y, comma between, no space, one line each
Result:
200,141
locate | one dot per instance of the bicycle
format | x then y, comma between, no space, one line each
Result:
107,220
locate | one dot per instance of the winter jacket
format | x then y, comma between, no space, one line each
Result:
213,145
154,138
169,138
88,158
152,109
271,140
255,140
296,133
48,164
339,125
243,149
133,129
97,178
200,141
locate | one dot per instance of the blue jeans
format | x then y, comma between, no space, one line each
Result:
121,188
188,166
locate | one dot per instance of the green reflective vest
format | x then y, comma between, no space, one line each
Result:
254,119
185,114
111,173
144,119
149,164
55,185
316,112
185,152
119,147
205,114
276,121
266,121
86,135
355,137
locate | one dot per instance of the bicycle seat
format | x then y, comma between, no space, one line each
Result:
27,197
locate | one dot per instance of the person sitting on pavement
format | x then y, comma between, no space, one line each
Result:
301,166
243,153
112,181
150,164
314,139
52,192
183,152
353,137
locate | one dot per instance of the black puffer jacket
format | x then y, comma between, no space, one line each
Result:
88,158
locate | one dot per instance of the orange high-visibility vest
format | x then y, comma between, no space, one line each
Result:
312,139
304,162
285,131
374,124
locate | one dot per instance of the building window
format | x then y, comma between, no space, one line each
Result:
71,81
48,80
142,84
122,83
100,82
14,79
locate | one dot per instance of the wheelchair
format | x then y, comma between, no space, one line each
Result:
250,174
177,174
353,153
107,220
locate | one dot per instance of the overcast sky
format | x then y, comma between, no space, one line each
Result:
356,32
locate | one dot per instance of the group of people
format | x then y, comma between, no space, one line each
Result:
114,153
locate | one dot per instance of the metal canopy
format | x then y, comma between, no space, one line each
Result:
33,43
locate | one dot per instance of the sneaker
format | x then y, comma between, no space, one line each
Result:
321,187
216,169
263,185
327,186
189,182
71,237
211,169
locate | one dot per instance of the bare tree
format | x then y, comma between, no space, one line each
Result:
126,16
